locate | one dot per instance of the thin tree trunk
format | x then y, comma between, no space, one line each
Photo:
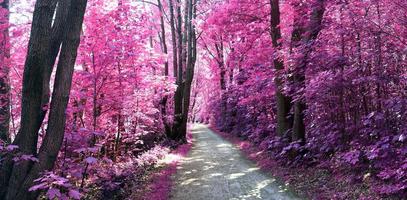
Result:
221,65
179,91
164,100
95,110
283,101
296,37
193,106
170,131
120,117
313,29
4,74
173,38
191,59
379,58
163,37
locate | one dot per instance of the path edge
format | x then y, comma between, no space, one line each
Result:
259,157
161,182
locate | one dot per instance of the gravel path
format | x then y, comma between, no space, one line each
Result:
215,170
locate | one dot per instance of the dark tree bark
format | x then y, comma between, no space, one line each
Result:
191,59
221,64
168,129
296,38
4,75
164,100
179,91
192,118
283,101
173,38
15,186
120,117
32,94
313,29
45,41
163,37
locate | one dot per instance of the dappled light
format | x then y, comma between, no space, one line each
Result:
203,99
215,169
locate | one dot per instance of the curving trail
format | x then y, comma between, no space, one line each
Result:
215,170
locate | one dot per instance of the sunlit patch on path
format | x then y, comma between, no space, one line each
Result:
215,170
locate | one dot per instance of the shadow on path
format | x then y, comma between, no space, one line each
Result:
215,170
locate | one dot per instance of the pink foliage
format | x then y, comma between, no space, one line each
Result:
351,76
161,181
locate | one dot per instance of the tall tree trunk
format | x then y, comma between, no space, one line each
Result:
164,100
298,130
170,132
4,73
163,36
221,65
191,59
282,100
120,117
37,62
192,119
314,27
180,85
379,59
173,38
32,111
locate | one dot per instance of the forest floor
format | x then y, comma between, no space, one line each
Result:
216,169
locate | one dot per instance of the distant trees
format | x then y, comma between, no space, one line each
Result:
310,81
320,93
110,109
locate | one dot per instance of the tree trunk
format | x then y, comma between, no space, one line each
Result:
168,129
176,130
298,129
221,64
313,29
283,102
173,38
32,112
4,73
24,174
120,117
191,59
164,100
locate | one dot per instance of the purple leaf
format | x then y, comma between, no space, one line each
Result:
75,194
90,160
53,193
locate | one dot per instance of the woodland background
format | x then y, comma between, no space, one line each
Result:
87,108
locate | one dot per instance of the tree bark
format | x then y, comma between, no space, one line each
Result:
4,74
37,64
221,64
173,38
283,101
191,59
176,130
314,27
164,100
32,112
168,129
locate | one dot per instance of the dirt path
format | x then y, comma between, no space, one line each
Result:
215,170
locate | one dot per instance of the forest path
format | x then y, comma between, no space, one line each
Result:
215,170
